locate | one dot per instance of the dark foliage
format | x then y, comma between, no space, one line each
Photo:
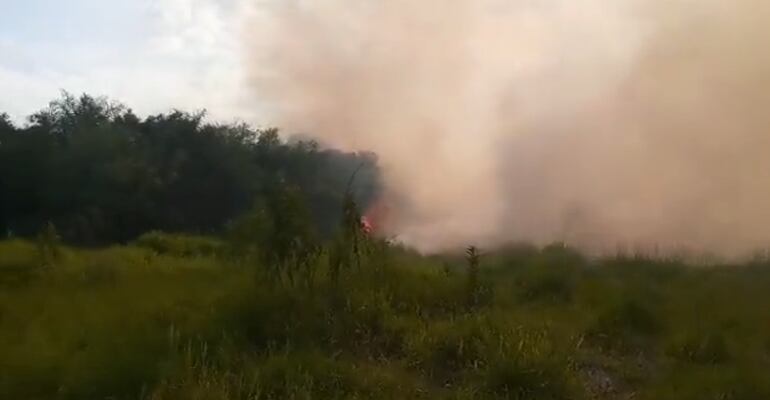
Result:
101,174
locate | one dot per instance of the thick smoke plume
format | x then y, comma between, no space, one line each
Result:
598,123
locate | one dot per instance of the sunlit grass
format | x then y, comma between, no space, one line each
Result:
173,319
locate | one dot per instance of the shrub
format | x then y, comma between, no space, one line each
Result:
515,255
18,262
560,255
444,349
302,376
550,276
546,284
511,379
368,326
710,348
625,327
180,245
530,363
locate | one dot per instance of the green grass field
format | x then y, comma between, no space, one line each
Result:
182,318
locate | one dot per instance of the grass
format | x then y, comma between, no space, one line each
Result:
175,317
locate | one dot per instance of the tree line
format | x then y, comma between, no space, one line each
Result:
101,174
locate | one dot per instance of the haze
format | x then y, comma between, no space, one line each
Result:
602,124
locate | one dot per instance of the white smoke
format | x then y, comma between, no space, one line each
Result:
597,123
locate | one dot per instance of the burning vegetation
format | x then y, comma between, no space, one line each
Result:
168,257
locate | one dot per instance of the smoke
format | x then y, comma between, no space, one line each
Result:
598,123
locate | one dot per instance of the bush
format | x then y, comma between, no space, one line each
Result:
546,284
180,245
530,363
625,327
550,276
514,255
561,255
511,379
302,376
710,348
444,349
368,326
18,262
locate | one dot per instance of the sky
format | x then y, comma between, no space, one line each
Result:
152,55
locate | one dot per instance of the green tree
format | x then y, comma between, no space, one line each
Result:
104,175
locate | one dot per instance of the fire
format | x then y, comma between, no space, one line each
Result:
366,225
373,220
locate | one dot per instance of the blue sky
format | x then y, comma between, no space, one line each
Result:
45,21
151,54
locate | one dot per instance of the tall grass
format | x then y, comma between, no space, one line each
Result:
174,317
